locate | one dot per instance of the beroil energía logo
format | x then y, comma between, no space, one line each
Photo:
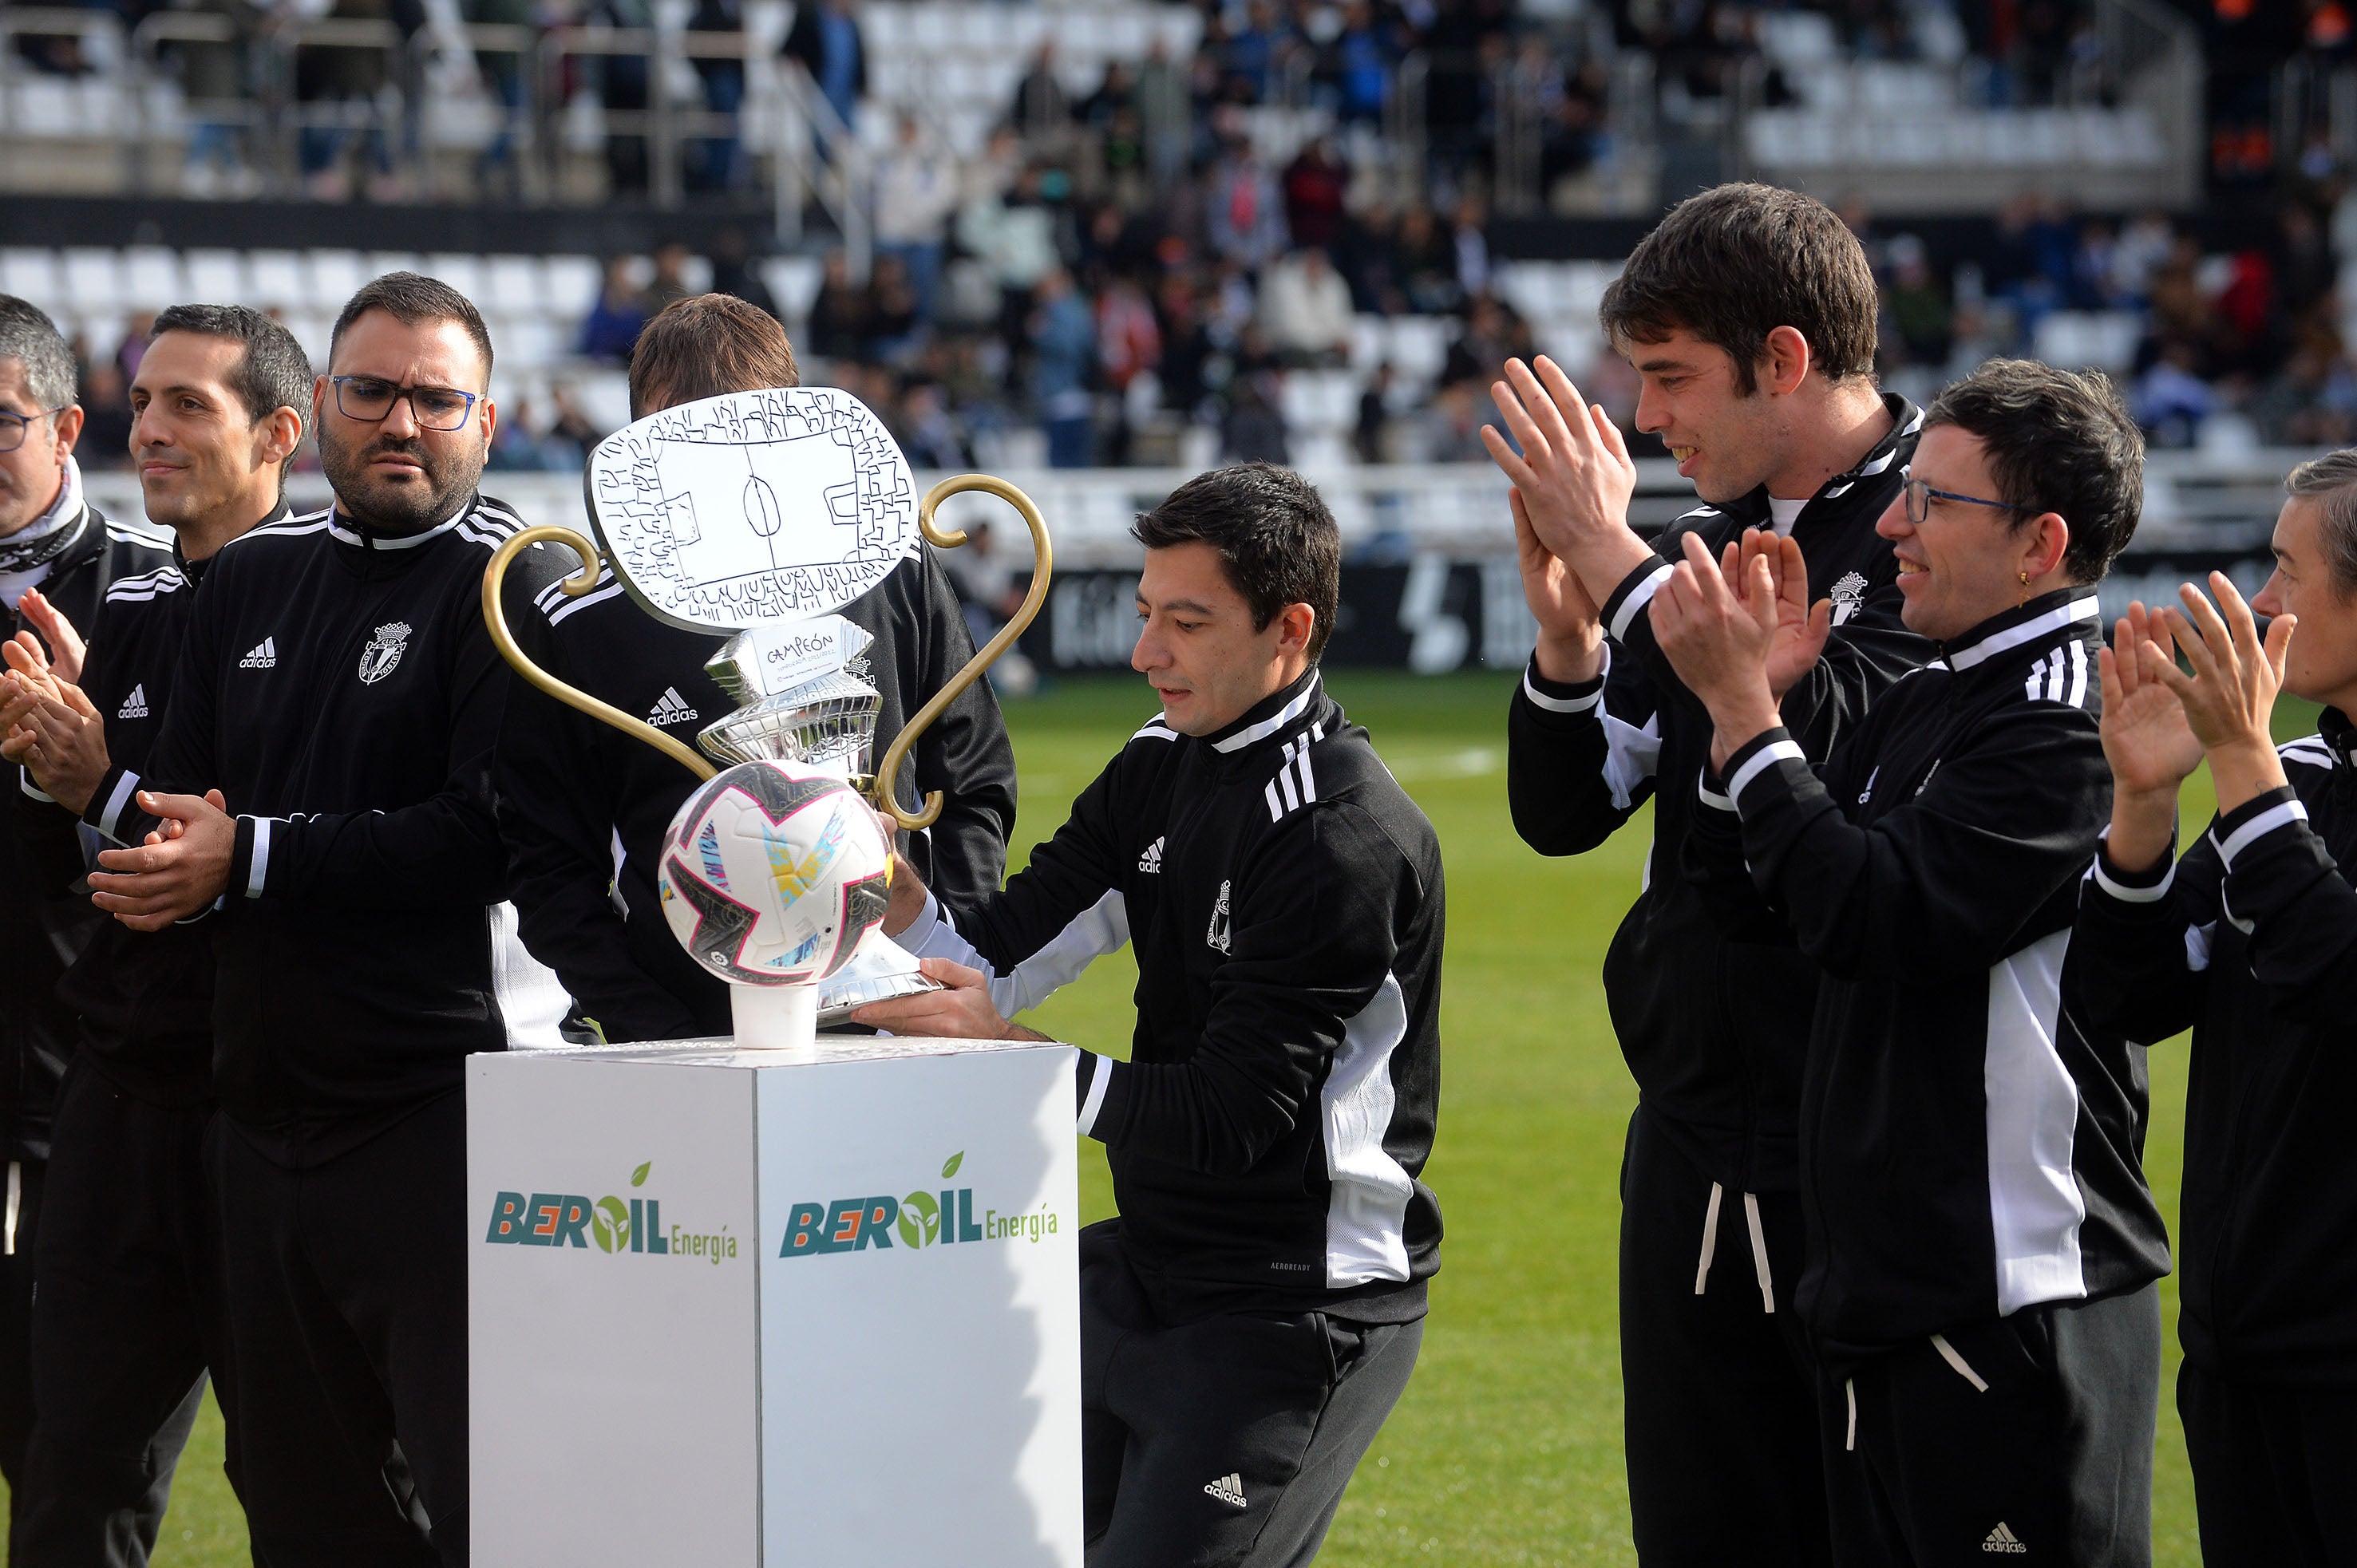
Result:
921,1219
611,1224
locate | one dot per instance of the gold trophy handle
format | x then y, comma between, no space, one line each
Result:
575,586
890,768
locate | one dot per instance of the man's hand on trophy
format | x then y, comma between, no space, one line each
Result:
960,1010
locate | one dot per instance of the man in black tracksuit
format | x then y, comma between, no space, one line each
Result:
584,808
1789,435
130,1314
339,687
1981,1242
58,556
1250,1319
2248,940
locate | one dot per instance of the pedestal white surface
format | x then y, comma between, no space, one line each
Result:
739,1307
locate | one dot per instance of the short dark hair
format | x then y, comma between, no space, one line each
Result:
413,299
272,373
1275,539
706,344
2058,441
1734,264
28,337
2331,482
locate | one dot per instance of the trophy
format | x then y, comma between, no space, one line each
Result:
761,515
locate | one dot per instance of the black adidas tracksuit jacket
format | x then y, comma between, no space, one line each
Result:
340,688
1970,1144
144,999
46,918
2248,940
1714,1028
583,807
1285,899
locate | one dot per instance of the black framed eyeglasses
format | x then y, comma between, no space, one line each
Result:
370,399
13,426
1920,495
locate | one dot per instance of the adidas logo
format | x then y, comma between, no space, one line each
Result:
264,657
1150,862
1229,1489
2003,1539
135,706
671,708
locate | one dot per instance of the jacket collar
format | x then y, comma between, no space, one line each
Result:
359,535
2333,726
2065,612
61,538
1269,717
194,571
1886,456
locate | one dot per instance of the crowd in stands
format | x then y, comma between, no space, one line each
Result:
1129,274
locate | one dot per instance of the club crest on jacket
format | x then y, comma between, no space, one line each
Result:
383,652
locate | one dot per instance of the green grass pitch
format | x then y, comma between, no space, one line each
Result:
1506,1449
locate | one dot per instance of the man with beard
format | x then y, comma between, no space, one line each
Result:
339,688
57,554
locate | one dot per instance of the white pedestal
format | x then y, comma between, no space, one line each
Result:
729,1309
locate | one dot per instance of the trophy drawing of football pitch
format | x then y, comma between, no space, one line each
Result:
761,515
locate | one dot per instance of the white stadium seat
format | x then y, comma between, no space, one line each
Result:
152,278
31,275
217,277
279,279
93,278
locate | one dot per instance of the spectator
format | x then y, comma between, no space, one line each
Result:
1366,57
217,88
1371,436
1063,347
932,437
838,317
501,72
1922,326
670,283
1245,216
1316,182
1042,110
1305,309
916,192
1253,430
335,84
733,274
1166,113
717,161
1424,266
105,440
614,322
825,41
2171,400
894,332
621,81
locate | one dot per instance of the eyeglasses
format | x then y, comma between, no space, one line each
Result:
1919,501
370,399
12,426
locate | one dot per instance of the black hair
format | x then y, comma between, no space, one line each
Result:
272,373
1275,538
413,299
2058,441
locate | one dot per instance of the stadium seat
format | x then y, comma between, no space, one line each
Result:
280,280
152,278
217,277
336,275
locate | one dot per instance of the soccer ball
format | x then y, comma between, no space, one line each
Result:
772,873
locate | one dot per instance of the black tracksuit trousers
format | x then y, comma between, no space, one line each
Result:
1721,1403
347,1286
1227,1440
20,1229
128,1317
2023,1436
2275,1470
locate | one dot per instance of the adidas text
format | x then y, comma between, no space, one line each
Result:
2004,1539
264,657
1150,863
1229,1489
671,708
135,706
